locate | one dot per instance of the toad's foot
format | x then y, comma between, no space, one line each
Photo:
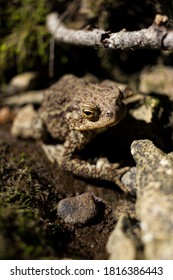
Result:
103,170
113,172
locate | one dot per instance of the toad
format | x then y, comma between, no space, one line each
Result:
74,111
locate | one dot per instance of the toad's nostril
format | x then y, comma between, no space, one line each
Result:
109,114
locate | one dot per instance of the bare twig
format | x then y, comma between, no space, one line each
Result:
71,8
157,36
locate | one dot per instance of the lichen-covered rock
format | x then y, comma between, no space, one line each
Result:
154,204
79,209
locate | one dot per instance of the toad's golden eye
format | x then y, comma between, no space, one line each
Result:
91,113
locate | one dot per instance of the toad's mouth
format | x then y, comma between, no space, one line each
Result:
98,125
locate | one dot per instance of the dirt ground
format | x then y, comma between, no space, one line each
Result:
31,188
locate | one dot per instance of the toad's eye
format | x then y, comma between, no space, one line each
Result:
90,113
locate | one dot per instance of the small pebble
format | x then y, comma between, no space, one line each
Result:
78,210
24,81
6,115
129,180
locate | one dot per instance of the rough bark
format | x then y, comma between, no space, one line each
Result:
157,36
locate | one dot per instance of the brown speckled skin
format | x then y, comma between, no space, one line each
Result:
62,113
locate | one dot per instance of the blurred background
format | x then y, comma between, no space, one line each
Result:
25,41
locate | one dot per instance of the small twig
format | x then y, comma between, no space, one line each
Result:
51,56
157,36
70,36
71,8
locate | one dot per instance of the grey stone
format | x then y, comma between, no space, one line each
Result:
78,210
129,180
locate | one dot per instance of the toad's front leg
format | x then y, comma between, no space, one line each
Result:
103,169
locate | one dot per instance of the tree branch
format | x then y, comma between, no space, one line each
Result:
157,36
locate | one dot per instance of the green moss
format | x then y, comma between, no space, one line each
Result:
25,39
152,102
21,235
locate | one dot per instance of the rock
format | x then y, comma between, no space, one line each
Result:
154,205
26,124
78,210
150,108
153,80
129,180
24,81
142,113
148,116
122,242
6,115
